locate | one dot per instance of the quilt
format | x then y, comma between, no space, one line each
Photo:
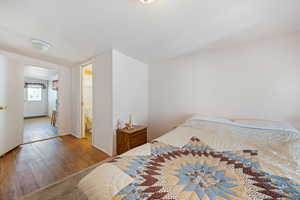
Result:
197,171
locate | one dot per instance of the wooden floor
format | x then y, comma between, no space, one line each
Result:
38,129
38,164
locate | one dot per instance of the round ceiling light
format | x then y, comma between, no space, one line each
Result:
40,45
147,1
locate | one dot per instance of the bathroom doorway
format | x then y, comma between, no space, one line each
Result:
87,102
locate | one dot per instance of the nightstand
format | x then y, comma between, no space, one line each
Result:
130,138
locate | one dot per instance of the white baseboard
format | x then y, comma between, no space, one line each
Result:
75,135
79,137
63,134
101,149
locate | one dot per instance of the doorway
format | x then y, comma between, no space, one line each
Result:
87,102
40,104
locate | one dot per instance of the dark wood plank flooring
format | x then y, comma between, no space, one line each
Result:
32,166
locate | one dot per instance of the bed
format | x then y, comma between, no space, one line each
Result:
271,148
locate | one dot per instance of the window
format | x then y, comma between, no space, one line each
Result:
34,94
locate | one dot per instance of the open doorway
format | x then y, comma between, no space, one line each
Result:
87,102
40,104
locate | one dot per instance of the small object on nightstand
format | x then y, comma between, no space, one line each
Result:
130,138
129,124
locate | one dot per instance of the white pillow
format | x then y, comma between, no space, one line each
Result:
212,119
265,124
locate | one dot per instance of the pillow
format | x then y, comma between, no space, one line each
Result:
265,124
198,117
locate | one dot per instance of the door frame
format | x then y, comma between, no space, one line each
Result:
82,128
21,61
58,99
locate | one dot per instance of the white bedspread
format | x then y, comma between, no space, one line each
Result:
279,153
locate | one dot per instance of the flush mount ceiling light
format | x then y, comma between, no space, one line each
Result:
40,45
147,1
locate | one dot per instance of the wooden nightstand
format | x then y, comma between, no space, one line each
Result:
130,138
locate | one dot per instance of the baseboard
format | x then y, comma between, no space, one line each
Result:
63,134
101,149
33,117
75,135
50,138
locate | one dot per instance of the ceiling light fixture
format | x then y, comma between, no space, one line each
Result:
40,45
147,1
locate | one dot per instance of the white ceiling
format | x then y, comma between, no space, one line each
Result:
39,73
79,30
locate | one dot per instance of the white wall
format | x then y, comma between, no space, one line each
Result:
76,101
130,90
102,103
120,88
36,108
257,80
65,100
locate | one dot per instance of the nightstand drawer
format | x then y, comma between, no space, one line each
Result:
138,139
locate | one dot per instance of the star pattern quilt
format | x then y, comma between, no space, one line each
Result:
197,171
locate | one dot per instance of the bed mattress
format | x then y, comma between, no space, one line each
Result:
278,152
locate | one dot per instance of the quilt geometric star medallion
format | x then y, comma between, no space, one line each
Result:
196,172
